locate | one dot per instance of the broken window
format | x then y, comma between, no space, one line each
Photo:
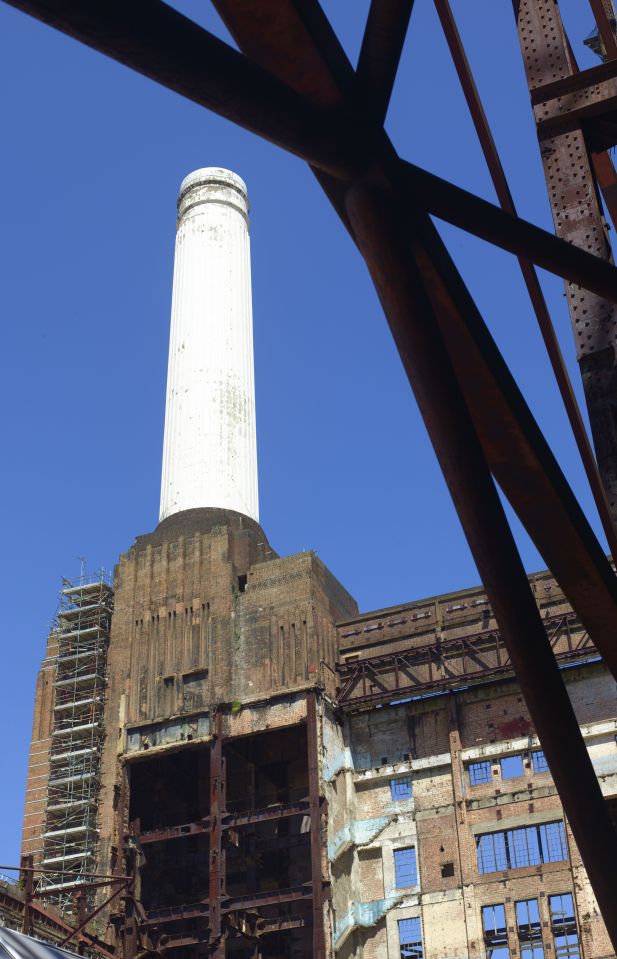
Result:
495,931
480,773
405,867
563,925
511,766
540,764
529,929
401,788
410,938
516,848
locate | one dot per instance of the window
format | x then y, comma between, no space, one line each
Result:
495,932
563,924
511,766
405,868
401,788
515,848
480,773
410,938
540,764
529,929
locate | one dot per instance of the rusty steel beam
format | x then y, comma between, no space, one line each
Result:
216,856
516,450
600,10
26,876
509,232
530,277
520,459
155,40
402,273
382,46
185,58
382,232
315,814
417,286
575,207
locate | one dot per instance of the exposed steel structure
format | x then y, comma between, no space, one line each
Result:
294,85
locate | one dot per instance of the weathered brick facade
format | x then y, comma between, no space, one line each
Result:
314,761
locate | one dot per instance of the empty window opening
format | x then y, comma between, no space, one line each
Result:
410,938
516,848
480,773
447,870
405,867
563,926
401,788
495,931
242,583
540,764
511,766
529,929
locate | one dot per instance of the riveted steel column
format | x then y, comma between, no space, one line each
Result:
577,216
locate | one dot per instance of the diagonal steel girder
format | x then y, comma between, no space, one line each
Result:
518,455
445,349
298,114
424,300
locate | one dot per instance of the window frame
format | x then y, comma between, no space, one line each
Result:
521,847
401,867
393,788
471,772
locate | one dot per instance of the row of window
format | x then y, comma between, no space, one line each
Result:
481,772
498,851
529,929
526,846
510,767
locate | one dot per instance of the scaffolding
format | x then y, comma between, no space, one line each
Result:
71,835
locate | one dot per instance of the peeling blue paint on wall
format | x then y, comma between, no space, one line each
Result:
365,914
359,833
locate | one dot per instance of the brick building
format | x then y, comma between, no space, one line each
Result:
286,777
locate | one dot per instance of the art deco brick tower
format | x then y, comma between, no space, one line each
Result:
282,777
208,751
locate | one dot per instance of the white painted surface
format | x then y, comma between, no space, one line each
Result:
210,449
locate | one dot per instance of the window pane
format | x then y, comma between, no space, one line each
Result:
401,788
528,846
405,869
494,919
563,924
532,950
540,764
528,921
511,766
410,938
561,908
492,852
553,839
480,773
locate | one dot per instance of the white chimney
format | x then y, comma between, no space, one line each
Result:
210,447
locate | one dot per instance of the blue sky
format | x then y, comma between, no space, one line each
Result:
92,159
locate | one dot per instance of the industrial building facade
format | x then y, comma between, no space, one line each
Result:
264,772
288,778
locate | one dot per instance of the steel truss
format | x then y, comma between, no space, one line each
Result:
294,85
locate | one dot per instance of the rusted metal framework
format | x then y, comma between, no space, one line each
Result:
433,667
293,84
235,837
